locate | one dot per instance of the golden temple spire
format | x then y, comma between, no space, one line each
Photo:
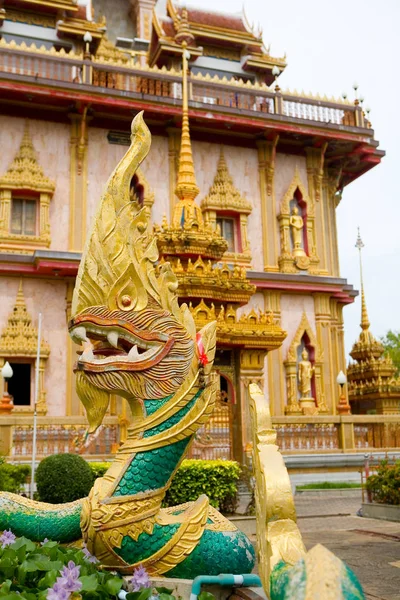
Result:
364,314
186,188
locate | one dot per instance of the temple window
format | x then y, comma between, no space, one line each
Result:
227,228
24,216
18,346
140,191
25,194
19,385
226,209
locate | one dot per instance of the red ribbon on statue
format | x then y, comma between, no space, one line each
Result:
203,358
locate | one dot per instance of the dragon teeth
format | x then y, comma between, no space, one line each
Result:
87,355
133,353
79,333
113,338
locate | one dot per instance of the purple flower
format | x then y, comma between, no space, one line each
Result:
7,538
44,542
89,557
69,578
140,579
58,592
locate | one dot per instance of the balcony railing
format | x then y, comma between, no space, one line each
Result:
132,80
295,435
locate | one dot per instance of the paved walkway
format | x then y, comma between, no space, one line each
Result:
370,547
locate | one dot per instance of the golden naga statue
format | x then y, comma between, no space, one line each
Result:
140,344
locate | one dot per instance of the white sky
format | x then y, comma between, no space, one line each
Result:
329,46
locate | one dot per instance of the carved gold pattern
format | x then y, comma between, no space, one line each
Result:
109,52
293,406
255,330
25,175
288,262
31,18
203,279
277,533
19,339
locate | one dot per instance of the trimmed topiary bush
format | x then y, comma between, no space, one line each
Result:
13,477
63,478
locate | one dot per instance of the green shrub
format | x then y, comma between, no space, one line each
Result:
63,478
99,468
384,485
13,477
216,478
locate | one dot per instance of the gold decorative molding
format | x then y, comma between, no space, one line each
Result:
109,52
288,261
315,170
19,339
254,330
25,177
25,173
223,195
218,282
290,364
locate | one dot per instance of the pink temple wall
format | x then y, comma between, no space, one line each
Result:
51,143
49,298
103,157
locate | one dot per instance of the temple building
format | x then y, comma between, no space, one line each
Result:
242,182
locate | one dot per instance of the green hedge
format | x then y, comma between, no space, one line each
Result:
63,478
217,479
13,477
66,477
384,485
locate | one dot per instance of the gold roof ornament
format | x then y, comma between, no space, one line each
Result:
366,345
188,235
223,195
254,329
20,337
25,173
372,376
109,52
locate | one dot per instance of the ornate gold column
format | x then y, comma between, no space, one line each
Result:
323,323
78,182
275,374
266,171
251,371
5,212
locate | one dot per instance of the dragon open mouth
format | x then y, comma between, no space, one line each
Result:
117,345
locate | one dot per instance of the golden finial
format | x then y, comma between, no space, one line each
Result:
364,314
20,300
186,188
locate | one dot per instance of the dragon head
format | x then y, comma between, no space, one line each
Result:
139,343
